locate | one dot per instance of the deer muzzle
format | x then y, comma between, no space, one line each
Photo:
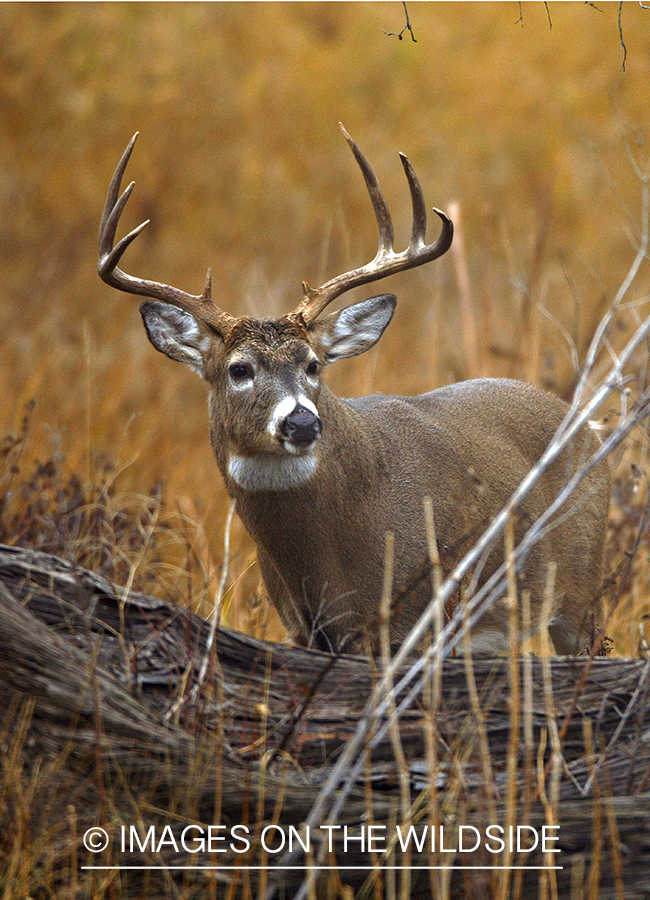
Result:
301,427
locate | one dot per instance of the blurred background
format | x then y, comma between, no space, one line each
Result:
521,116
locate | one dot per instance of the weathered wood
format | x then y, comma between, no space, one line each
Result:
88,676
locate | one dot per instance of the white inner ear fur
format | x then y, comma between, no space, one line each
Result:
176,333
356,328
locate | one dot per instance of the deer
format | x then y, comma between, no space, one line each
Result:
318,481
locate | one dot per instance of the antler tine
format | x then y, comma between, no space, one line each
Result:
201,305
384,221
419,227
386,261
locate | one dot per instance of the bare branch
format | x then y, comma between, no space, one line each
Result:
520,20
399,34
214,623
548,15
620,34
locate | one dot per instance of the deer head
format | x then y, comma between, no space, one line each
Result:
264,375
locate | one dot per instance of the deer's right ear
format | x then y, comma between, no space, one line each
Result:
176,333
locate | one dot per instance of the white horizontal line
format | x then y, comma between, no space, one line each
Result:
319,868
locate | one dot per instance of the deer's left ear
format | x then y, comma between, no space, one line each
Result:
353,330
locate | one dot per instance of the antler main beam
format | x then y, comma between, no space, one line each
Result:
387,261
110,254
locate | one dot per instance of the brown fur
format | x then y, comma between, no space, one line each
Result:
467,446
321,545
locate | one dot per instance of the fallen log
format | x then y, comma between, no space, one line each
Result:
101,728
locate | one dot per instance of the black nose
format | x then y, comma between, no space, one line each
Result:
301,426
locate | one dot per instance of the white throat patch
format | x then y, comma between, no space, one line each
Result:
271,473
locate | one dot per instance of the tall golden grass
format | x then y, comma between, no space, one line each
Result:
527,128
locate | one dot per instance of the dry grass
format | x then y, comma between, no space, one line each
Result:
97,747
241,167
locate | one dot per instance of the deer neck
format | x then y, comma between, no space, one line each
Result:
311,535
347,451
276,495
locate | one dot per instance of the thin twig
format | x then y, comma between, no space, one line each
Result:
593,881
620,35
641,255
431,692
395,735
514,708
399,34
552,796
214,620
473,347
548,15
629,709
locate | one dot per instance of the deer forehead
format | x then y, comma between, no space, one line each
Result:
269,341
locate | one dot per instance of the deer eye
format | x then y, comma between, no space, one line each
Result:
312,368
240,371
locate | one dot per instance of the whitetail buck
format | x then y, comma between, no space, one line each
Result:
319,481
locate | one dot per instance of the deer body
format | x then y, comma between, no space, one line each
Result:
467,446
318,481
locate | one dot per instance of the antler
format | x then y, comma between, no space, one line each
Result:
201,306
386,261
